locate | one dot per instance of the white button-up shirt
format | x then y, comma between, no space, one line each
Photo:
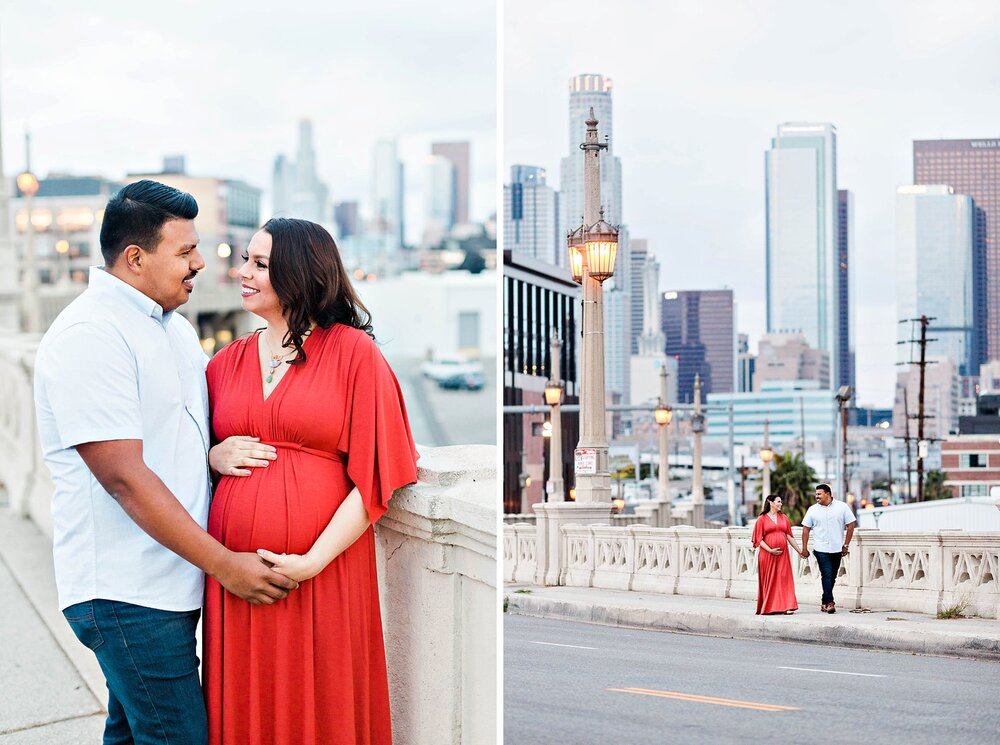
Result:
114,366
828,525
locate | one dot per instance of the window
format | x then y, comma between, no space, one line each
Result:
975,490
972,460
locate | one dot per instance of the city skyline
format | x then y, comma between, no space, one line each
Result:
698,98
134,87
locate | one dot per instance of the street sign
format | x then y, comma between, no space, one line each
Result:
586,461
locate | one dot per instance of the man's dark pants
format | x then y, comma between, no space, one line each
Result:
829,565
148,657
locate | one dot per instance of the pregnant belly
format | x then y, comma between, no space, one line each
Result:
282,507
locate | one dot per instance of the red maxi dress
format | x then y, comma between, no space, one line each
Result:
310,669
775,582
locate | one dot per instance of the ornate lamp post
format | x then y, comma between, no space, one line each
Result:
592,249
31,323
663,415
697,430
595,245
553,397
766,456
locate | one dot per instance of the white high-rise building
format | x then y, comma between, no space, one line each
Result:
802,263
387,194
588,92
934,251
439,193
531,215
644,383
296,188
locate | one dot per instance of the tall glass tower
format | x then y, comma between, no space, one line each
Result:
802,262
935,231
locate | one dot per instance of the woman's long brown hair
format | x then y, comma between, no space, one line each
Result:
310,281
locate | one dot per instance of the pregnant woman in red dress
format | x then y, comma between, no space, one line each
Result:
313,439
775,582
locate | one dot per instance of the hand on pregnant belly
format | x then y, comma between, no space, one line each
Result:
294,566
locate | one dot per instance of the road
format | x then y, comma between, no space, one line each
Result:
442,417
576,684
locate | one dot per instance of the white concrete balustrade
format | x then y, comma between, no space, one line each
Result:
436,550
917,572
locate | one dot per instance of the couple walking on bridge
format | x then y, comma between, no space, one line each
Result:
833,523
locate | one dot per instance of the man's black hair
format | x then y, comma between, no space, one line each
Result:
136,214
826,488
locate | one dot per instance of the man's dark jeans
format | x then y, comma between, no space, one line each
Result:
829,565
148,657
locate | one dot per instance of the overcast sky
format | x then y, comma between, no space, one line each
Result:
109,87
699,89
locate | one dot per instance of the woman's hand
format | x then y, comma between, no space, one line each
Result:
299,567
235,454
775,551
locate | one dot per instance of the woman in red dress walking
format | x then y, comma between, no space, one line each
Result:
313,439
775,582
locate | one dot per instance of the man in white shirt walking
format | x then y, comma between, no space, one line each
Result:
122,407
829,519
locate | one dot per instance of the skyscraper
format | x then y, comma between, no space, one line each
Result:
934,249
439,193
700,330
345,215
593,92
458,154
802,262
387,194
845,288
972,167
638,259
531,215
588,92
296,188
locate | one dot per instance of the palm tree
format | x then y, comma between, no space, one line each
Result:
794,481
934,487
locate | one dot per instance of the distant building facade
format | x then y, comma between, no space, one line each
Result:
934,253
538,300
458,154
699,327
802,251
787,357
972,167
531,215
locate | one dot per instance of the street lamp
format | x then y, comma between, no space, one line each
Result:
553,397
575,248
697,429
663,415
766,455
599,242
27,183
844,394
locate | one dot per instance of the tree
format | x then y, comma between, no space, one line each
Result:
934,487
794,481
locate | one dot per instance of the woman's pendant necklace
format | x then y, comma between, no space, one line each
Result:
272,365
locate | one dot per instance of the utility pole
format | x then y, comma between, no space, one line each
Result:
909,463
924,322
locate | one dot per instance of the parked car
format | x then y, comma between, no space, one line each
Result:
447,366
472,381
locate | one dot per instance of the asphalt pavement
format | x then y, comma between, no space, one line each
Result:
577,683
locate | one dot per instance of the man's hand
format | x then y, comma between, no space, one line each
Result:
804,553
234,455
248,577
843,551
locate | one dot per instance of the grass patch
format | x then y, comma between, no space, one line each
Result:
523,591
954,611
506,602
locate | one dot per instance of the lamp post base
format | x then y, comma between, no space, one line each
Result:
551,517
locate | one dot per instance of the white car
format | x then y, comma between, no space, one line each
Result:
446,366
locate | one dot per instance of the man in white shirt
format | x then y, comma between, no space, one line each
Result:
122,409
828,518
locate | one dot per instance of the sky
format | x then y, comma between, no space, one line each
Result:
110,87
699,89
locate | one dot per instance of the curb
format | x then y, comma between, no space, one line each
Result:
758,628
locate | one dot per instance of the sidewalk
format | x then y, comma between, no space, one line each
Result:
51,689
899,631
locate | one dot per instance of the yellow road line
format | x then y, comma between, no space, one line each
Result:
693,697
